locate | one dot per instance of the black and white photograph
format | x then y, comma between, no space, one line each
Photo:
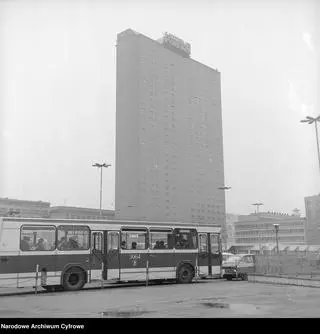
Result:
158,159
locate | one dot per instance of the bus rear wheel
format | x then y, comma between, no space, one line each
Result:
74,279
185,274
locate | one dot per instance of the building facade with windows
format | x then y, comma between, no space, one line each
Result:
231,220
258,228
73,212
23,208
169,152
38,209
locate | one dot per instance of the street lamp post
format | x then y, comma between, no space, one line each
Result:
257,205
276,227
225,232
104,165
311,120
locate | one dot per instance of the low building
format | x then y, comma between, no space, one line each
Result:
230,222
312,204
258,228
72,212
24,208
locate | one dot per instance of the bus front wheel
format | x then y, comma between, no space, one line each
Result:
74,279
185,274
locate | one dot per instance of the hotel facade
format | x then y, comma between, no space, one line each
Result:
169,145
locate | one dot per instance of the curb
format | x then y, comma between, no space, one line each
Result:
31,291
284,281
91,286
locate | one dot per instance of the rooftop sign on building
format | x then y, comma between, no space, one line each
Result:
176,44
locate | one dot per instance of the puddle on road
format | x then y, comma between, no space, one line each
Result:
245,309
219,303
216,305
123,314
214,298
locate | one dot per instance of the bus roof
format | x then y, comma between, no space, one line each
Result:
107,222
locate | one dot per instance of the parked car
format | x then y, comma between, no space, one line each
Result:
238,266
225,256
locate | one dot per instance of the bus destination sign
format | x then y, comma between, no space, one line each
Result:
176,44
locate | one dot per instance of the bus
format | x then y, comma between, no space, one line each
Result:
66,254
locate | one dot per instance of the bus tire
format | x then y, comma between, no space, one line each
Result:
185,274
229,278
74,279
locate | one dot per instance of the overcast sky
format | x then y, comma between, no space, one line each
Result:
58,94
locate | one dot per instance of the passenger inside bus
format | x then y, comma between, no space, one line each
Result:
63,244
123,245
162,245
134,245
25,243
182,242
159,245
40,246
73,242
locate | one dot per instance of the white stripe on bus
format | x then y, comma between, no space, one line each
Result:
158,275
216,270
43,253
162,269
162,251
158,251
28,275
28,279
87,252
184,251
134,251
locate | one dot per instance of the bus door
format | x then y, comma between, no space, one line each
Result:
216,254
97,255
204,258
161,258
112,256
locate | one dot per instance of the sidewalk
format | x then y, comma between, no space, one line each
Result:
12,291
15,291
285,280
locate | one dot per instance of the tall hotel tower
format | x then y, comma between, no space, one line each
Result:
169,152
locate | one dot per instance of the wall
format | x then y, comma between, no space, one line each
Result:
173,141
305,264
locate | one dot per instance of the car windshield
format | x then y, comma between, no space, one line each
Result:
234,258
226,256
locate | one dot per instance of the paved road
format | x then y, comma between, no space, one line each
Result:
205,299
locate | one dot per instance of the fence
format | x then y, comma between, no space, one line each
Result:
291,265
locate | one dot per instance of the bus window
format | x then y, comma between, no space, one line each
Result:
72,237
37,238
215,243
203,243
133,239
185,238
160,239
97,241
113,240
